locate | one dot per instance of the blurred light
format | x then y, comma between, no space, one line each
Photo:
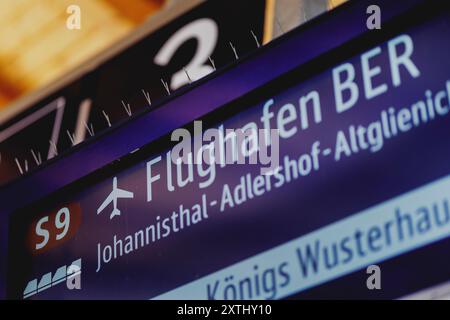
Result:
36,47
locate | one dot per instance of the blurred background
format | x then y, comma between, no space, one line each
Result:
35,49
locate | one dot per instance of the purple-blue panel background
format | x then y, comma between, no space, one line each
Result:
282,56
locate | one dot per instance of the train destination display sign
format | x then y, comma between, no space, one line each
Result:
357,174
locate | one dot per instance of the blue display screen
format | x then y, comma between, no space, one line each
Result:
362,177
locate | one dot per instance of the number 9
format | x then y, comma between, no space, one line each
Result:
62,224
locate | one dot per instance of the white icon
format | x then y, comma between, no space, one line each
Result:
115,194
71,274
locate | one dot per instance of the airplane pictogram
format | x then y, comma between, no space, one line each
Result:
115,194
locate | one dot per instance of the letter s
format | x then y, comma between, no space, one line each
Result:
42,232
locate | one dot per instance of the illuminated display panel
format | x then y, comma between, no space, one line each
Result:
332,197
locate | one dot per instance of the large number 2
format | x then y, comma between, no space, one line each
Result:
205,31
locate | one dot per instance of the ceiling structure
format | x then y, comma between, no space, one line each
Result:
37,47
